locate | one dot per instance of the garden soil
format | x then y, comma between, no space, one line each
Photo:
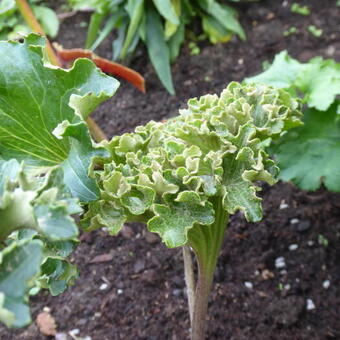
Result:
276,280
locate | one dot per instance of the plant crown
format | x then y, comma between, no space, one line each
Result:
167,174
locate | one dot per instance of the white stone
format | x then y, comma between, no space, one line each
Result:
103,286
280,262
293,247
119,291
310,243
294,221
249,285
283,205
326,284
75,331
287,286
310,304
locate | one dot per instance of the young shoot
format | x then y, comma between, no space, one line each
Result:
183,178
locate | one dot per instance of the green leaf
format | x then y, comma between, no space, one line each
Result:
136,11
102,214
138,199
318,80
48,20
225,15
176,41
7,7
35,99
310,155
27,201
107,29
173,220
167,10
57,275
158,50
282,73
19,264
215,31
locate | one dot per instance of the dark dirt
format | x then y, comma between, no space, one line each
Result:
145,295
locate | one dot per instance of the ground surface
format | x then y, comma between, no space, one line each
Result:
145,295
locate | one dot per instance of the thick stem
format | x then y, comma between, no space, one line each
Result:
189,279
207,242
198,325
33,23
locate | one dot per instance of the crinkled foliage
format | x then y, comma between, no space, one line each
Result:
38,232
168,174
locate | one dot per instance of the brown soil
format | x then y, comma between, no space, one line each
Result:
145,296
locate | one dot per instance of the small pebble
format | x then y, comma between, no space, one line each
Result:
60,336
119,291
47,309
310,243
283,205
75,331
280,262
249,285
287,286
257,273
326,284
103,286
294,221
97,315
283,272
293,247
139,266
310,304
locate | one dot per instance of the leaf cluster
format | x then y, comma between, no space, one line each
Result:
309,155
45,151
12,25
168,175
160,25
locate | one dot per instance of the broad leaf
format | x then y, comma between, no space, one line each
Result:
282,73
48,19
35,99
310,155
318,80
178,216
